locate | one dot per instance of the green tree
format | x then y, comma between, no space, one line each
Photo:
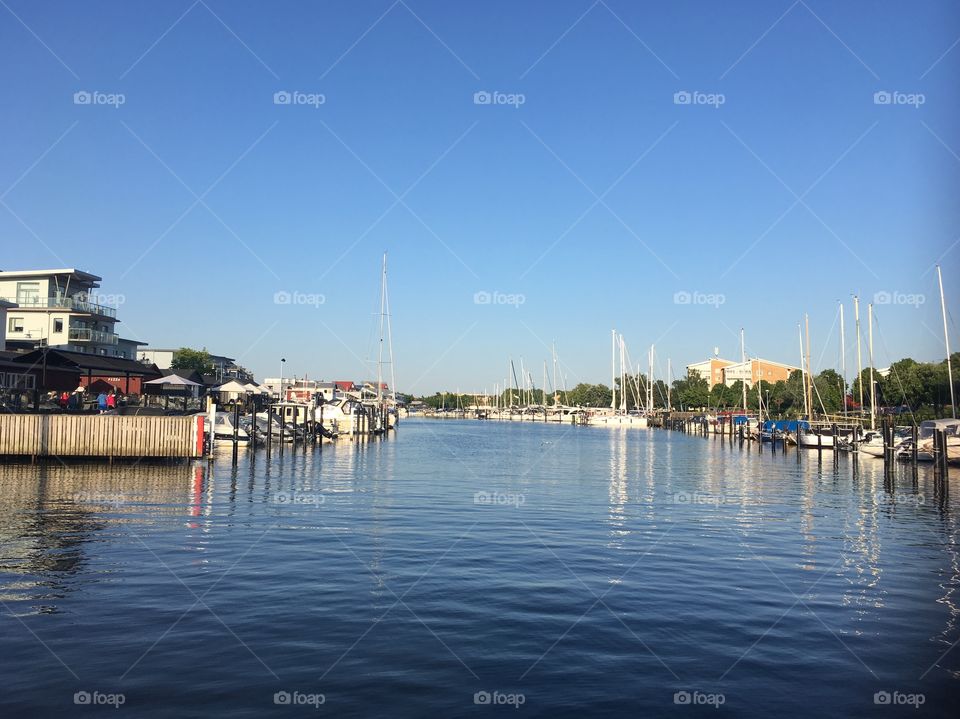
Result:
829,392
691,392
190,359
590,395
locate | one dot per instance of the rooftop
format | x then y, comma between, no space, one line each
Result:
66,272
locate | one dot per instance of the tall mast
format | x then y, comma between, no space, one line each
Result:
809,369
669,404
856,317
803,374
556,393
946,341
613,369
873,395
743,360
383,297
843,364
623,377
650,382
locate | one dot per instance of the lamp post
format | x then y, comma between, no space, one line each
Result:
282,362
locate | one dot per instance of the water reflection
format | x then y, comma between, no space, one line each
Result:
50,512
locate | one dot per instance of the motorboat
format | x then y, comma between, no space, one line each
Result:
925,438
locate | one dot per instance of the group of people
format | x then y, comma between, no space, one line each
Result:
106,401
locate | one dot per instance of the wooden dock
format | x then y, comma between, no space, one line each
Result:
104,436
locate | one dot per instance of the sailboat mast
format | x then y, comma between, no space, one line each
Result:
843,363
743,360
809,369
613,370
946,341
623,377
669,403
873,395
856,318
650,382
803,374
383,297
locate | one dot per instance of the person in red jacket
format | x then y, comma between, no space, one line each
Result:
112,400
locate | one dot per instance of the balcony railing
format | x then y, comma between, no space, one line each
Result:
80,334
65,303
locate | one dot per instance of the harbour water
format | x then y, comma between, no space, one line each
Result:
465,568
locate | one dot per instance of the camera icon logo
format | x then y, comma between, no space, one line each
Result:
81,698
482,98
682,98
82,97
882,97
282,97
681,698
881,698
282,297
682,298
481,698
882,298
281,698
481,298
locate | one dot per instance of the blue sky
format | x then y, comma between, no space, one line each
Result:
587,195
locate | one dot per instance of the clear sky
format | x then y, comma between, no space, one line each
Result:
736,152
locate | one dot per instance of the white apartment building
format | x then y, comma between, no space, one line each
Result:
4,306
60,308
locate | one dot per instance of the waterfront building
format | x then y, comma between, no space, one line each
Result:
60,308
756,369
4,306
224,368
711,370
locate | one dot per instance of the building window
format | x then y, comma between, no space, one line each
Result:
28,293
58,325
15,324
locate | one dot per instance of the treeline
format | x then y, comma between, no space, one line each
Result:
910,386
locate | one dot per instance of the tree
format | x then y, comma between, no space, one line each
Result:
693,391
590,395
190,359
830,391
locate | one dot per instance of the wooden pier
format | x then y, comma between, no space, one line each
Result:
103,436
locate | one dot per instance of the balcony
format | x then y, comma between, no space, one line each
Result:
62,303
80,334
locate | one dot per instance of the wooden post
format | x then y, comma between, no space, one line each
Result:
283,429
915,433
236,430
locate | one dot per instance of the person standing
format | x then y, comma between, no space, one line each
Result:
112,400
102,402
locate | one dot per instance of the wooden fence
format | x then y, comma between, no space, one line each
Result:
109,436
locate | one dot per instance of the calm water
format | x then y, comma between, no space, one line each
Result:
599,571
